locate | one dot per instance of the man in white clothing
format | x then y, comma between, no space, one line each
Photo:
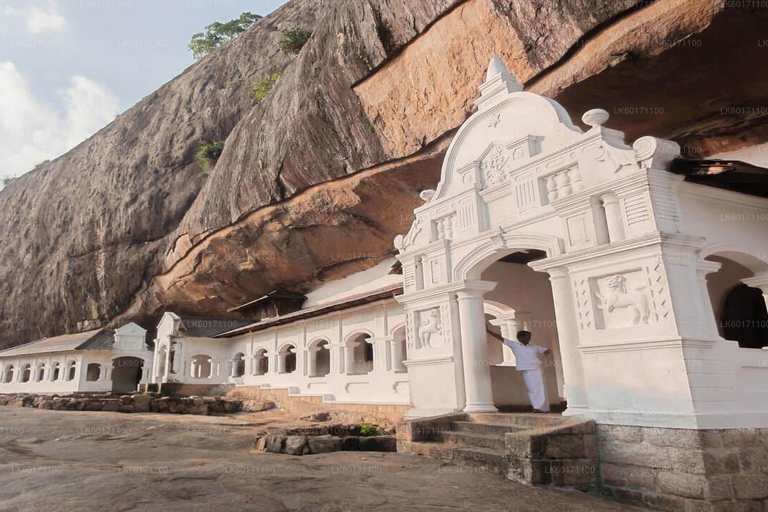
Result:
528,363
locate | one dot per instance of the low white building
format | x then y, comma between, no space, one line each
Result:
94,361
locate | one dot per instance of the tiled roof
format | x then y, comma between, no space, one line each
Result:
65,343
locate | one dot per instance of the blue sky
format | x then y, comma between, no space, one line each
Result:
68,67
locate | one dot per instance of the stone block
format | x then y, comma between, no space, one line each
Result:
630,495
141,403
94,405
754,460
678,438
324,444
710,439
294,445
573,472
740,437
275,443
378,444
682,484
719,488
565,447
261,443
614,433
350,444
719,462
750,487
665,502
109,404
632,477
125,399
638,454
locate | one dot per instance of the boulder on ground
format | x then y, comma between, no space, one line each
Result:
275,443
350,444
141,403
324,444
294,445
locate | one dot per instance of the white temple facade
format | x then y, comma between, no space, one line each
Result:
624,269
88,362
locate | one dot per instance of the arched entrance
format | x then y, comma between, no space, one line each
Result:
521,300
126,374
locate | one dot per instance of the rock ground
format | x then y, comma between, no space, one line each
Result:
78,461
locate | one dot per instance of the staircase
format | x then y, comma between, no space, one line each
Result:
538,449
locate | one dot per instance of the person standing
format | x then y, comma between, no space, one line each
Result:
528,363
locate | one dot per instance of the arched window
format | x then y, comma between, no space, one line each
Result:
261,362
40,373
239,365
319,358
55,371
26,373
8,374
93,372
359,360
202,367
287,359
740,311
71,370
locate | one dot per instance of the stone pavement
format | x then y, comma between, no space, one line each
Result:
74,461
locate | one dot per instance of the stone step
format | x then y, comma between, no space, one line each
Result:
525,420
488,458
484,428
494,442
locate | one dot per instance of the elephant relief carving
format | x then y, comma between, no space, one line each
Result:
430,326
618,297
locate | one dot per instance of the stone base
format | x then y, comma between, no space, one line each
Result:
686,470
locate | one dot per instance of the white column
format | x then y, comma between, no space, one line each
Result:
349,358
280,364
167,368
311,355
613,217
396,349
568,338
474,348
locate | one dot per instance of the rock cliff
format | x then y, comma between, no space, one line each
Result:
315,182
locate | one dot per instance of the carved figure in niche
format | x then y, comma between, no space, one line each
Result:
618,297
429,326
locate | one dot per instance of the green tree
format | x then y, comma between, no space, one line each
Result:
261,89
294,39
217,34
208,154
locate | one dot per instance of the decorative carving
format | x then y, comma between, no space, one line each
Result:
655,153
494,166
494,120
617,159
402,243
427,195
618,297
410,335
446,320
431,325
658,293
595,117
582,304
564,183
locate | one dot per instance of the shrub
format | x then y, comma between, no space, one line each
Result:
261,89
294,40
367,430
7,180
208,154
217,34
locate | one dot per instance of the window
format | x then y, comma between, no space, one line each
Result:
287,362
261,362
93,372
202,367
26,373
71,370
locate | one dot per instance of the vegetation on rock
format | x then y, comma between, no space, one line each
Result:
7,180
208,154
261,90
294,40
217,34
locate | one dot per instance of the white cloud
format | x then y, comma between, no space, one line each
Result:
39,20
32,131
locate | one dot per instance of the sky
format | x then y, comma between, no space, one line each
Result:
69,67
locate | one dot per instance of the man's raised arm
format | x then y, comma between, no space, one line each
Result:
495,335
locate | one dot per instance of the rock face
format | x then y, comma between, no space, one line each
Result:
126,224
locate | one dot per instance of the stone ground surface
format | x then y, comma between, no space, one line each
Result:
88,461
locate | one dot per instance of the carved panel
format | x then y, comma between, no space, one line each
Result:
658,290
578,232
636,210
430,329
622,300
496,165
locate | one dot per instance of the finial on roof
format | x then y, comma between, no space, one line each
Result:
595,117
498,82
496,67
